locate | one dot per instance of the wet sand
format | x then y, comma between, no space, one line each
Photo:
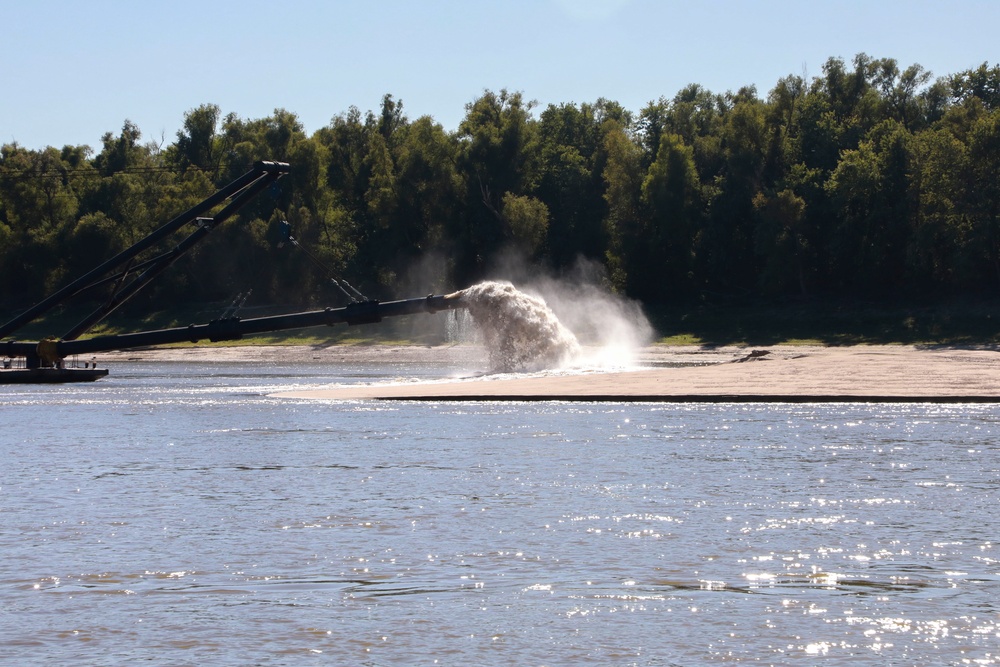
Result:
897,373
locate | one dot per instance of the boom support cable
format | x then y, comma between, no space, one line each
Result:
354,296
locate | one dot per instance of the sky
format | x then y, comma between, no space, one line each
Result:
71,71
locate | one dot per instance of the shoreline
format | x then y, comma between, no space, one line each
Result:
781,373
333,353
458,353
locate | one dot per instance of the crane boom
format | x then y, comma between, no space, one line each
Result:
233,328
43,359
240,191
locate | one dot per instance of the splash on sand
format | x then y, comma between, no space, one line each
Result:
520,331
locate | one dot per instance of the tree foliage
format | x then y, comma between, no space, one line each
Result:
870,178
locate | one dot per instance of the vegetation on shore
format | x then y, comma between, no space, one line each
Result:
862,205
958,322
964,322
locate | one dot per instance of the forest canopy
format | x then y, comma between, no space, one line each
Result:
871,178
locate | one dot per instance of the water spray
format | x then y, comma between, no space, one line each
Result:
521,333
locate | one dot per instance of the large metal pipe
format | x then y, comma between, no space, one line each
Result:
234,328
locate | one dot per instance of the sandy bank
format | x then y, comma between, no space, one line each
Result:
785,373
865,373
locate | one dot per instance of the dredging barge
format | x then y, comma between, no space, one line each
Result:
45,360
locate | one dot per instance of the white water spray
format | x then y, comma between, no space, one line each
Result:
521,333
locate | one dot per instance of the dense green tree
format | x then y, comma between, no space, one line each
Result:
198,144
984,195
875,204
623,176
93,238
671,196
362,174
499,156
726,246
40,195
122,152
870,178
780,240
396,186
345,139
570,183
429,189
939,248
528,219
982,83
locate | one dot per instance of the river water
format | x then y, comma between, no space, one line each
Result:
175,514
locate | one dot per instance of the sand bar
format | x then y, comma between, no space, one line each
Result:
890,373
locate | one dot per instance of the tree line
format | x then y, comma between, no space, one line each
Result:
868,179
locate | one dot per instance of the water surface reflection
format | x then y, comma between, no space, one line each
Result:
184,517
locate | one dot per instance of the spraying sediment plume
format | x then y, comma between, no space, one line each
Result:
520,331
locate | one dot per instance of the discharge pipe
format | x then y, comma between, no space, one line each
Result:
232,328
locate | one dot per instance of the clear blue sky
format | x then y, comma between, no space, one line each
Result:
72,70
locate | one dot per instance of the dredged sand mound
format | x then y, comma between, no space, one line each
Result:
779,373
784,373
